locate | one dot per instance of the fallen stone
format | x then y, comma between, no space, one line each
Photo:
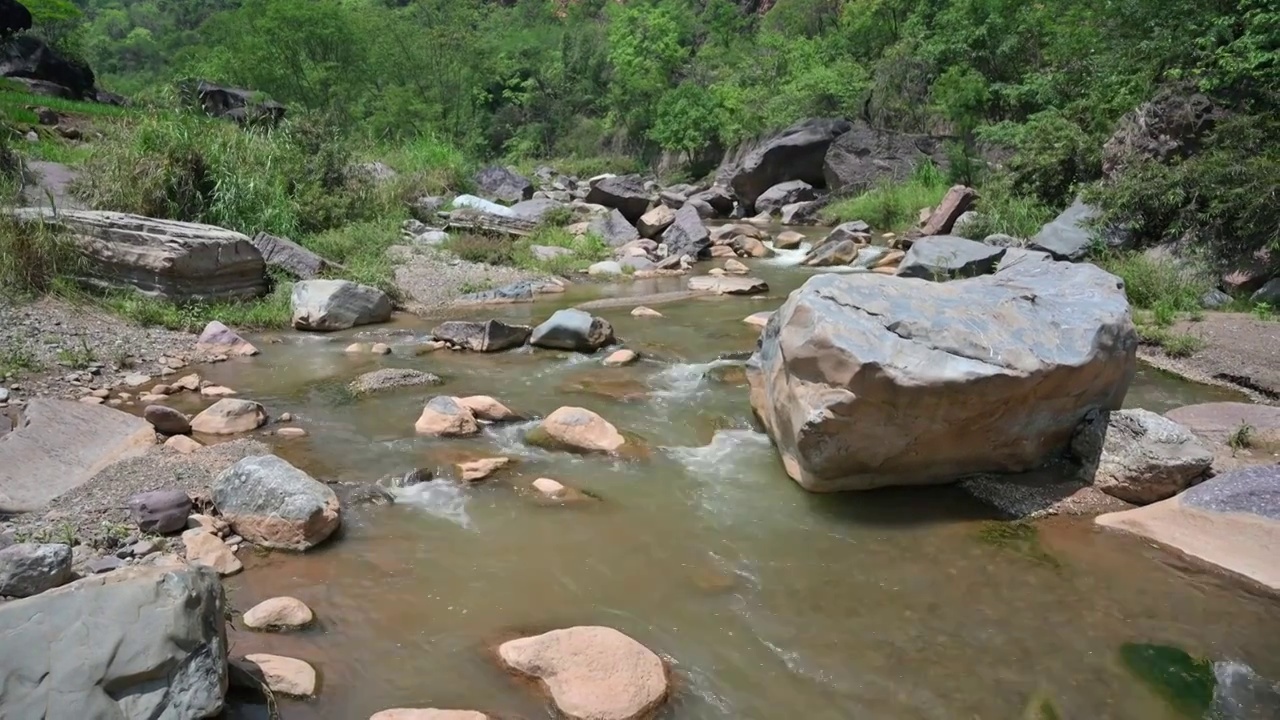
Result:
1068,236
444,416
218,339
687,235
576,429
278,613
771,201
1138,456
652,223
503,184
717,200
392,379
160,511
285,675
947,257
864,382
207,549
726,285
625,193
490,336
1231,521
489,409
28,569
788,240
166,420
477,470
327,305
618,358
230,416
140,642
37,463
574,330
281,253
958,200
428,714
271,503
178,261
591,672
613,228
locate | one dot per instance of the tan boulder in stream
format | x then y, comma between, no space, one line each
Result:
445,416
230,416
427,714
591,672
728,285
577,429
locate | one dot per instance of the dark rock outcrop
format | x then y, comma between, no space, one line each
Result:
503,184
687,235
1170,126
624,193
865,156
795,153
27,57
243,106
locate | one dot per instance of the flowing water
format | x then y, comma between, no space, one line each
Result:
768,601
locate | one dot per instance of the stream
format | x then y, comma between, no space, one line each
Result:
769,602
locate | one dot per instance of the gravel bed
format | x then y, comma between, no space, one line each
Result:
76,349
431,278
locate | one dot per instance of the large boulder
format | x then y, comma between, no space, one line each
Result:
864,157
177,261
624,193
687,235
865,381
1172,125
613,228
717,199
1070,236
167,420
503,184
1138,456
489,336
1231,521
535,210
28,569
242,105
445,416
652,223
160,511
578,430
27,57
591,672
141,643
38,462
795,153
337,305
284,254
271,503
572,329
946,257
772,201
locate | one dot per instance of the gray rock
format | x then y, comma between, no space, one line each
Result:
284,254
572,329
868,255
946,257
327,305
517,292
1067,236
503,184
717,199
136,644
638,263
855,230
28,569
160,511
1214,299
271,503
391,379
795,153
702,208
673,200
605,267
97,566
490,336
425,207
771,201
624,193
1138,456
864,157
476,204
1269,293
613,228
728,285
801,213
832,253
1016,256
966,219
652,223
180,262
687,235
864,381
166,420
535,210
375,172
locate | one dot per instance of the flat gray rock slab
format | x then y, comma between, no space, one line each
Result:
60,445
1254,490
946,257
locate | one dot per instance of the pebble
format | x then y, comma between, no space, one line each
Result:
291,432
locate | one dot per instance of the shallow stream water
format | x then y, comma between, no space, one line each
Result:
768,601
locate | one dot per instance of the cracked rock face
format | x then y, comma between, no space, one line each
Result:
866,381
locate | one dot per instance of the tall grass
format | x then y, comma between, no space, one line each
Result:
269,313
361,248
1158,284
428,165
493,250
893,206
33,256
1001,210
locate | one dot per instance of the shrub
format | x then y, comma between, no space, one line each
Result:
361,248
892,206
487,249
1052,155
1003,210
1158,284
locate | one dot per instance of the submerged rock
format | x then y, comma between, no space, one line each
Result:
574,330
285,675
728,285
271,503
591,672
218,339
864,381
390,379
278,613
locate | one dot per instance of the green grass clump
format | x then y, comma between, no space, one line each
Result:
33,256
1001,210
55,149
17,101
428,165
16,359
1241,438
272,312
1156,283
361,248
78,358
497,250
892,207
1019,537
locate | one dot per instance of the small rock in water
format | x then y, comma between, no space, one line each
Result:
735,267
189,383
285,675
291,432
357,348
619,358
477,470
487,408
216,391
413,477
380,349
444,416
645,312
577,429
166,420
230,416
278,613
286,417
550,488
